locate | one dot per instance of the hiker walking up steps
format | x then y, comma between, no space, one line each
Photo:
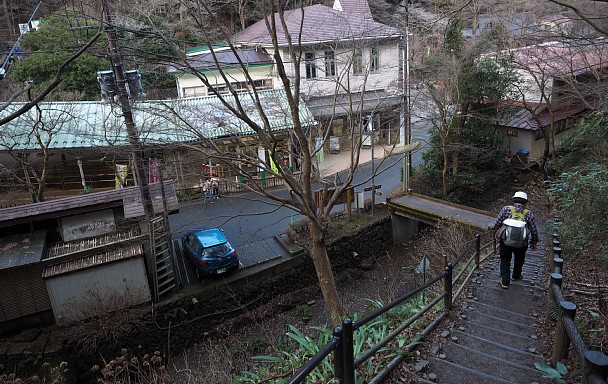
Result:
515,227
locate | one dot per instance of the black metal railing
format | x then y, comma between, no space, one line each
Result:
342,344
594,363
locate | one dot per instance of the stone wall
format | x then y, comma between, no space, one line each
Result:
180,322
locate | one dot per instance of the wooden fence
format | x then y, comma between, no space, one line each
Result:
594,363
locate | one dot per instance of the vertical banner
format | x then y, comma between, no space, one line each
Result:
121,175
273,166
262,158
319,148
154,170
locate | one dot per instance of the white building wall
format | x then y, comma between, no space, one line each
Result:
188,80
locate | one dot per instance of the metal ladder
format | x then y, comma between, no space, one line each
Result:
160,244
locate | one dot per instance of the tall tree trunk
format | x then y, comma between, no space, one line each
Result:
543,162
444,172
325,275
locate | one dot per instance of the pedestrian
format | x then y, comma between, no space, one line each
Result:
207,188
215,184
515,212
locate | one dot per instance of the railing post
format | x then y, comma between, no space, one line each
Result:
448,287
596,365
562,341
348,351
477,249
557,252
558,265
339,356
556,243
556,278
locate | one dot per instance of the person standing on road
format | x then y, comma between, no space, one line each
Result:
520,199
215,184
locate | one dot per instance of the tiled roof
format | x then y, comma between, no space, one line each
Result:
558,59
226,58
524,118
98,124
318,24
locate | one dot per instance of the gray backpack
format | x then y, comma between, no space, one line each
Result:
515,230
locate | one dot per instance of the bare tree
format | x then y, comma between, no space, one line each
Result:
276,154
30,148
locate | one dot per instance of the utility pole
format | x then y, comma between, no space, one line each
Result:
407,109
125,105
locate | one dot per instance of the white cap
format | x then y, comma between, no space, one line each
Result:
521,195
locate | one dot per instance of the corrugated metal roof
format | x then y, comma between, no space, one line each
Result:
225,59
98,124
22,249
318,24
524,118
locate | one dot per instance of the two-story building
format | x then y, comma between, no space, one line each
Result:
349,66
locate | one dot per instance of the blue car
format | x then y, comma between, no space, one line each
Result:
210,252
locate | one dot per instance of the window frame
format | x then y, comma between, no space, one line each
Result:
357,63
330,63
374,59
310,65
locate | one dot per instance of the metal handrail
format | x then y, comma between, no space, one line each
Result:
342,343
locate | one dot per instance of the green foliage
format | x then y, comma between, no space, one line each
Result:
454,39
586,143
279,367
558,373
580,196
48,48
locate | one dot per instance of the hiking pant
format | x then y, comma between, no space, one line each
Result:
505,262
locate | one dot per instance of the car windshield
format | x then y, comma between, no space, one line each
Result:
216,251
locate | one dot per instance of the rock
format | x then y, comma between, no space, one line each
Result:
422,365
432,376
532,350
454,339
445,333
533,337
442,356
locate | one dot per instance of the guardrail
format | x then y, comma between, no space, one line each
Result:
594,363
454,278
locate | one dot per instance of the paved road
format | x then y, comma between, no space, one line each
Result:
251,221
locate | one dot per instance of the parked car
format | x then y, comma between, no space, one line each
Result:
210,252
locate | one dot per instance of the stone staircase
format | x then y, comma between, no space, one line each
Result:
495,338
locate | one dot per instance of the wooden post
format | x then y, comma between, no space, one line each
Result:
596,366
349,205
562,341
556,279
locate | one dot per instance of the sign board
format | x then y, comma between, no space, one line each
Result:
334,144
424,265
154,170
347,196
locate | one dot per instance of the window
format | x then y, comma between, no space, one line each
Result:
263,84
330,64
311,69
358,62
194,91
374,60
